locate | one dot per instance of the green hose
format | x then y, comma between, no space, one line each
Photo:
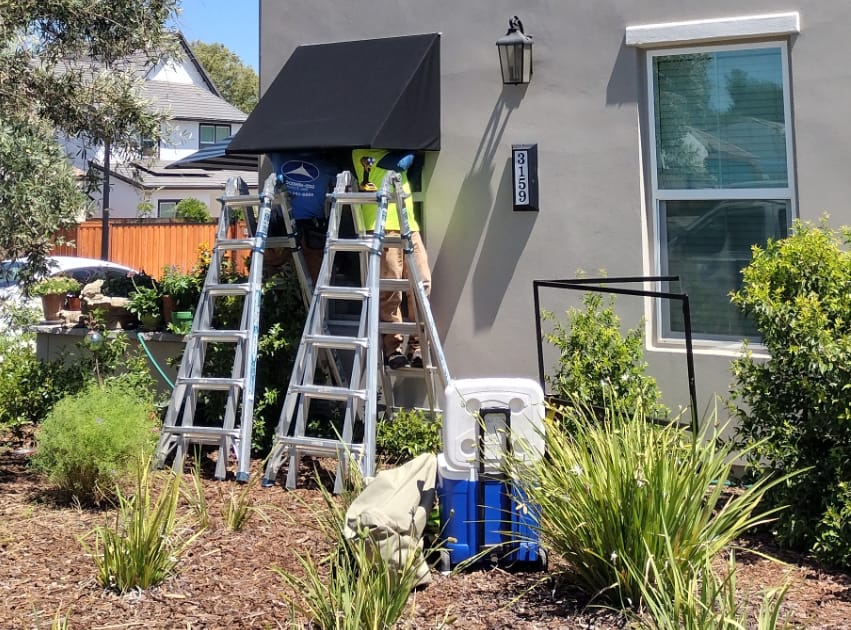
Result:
153,361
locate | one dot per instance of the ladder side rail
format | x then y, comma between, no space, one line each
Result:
252,309
423,307
372,354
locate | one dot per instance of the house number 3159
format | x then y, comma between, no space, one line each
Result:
525,176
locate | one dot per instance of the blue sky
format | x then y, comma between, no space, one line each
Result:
234,23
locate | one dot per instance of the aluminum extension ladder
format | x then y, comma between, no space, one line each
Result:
179,429
359,399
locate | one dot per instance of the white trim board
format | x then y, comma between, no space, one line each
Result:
742,27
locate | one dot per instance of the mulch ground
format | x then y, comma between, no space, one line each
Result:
226,579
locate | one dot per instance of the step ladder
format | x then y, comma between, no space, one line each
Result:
179,429
359,399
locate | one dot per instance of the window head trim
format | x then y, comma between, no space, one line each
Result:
770,25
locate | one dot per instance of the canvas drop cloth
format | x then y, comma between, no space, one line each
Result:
394,509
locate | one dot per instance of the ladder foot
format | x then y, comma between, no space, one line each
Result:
242,477
267,483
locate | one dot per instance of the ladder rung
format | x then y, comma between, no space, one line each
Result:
321,447
236,243
220,335
227,289
392,284
350,244
241,201
335,292
280,241
337,342
211,383
201,431
329,392
399,328
355,197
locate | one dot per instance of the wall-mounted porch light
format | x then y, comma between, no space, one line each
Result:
515,54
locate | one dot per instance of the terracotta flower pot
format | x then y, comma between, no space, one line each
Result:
51,304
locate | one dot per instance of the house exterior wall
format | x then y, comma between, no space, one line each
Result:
125,198
584,109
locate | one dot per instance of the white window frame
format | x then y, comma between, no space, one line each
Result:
215,127
662,336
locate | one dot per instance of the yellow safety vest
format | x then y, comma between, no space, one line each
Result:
376,176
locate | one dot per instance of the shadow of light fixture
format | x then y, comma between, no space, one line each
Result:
515,54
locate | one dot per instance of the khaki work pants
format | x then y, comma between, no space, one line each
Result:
393,266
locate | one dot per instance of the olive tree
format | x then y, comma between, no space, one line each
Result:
69,67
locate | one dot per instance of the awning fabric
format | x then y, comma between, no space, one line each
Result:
374,93
214,158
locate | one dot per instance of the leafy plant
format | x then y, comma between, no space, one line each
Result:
794,409
700,599
616,494
144,301
192,210
148,539
408,434
54,285
195,496
88,441
184,288
597,362
238,508
352,586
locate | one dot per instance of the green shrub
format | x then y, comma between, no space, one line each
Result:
597,363
88,442
193,210
148,539
410,432
623,493
794,409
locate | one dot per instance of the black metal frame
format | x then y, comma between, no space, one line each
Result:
596,285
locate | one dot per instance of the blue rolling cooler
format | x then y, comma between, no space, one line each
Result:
483,515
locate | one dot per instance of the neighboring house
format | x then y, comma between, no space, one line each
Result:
671,137
198,117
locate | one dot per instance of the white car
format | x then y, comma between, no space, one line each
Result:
82,269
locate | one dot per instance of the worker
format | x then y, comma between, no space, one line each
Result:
309,176
371,165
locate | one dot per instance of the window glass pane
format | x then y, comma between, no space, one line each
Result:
222,132
207,134
707,243
167,209
720,119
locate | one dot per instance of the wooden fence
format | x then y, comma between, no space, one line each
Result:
148,245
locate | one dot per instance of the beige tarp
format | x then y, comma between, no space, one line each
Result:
394,509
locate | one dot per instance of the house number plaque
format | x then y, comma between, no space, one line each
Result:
524,160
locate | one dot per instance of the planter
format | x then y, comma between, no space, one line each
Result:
73,303
51,304
181,321
167,307
150,322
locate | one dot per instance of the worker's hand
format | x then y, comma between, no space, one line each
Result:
405,163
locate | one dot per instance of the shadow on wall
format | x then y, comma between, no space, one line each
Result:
505,238
623,86
468,230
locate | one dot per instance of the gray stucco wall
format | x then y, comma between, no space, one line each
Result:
583,109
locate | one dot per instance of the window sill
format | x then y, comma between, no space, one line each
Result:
729,349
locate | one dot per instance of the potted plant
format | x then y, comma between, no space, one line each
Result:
53,291
180,293
144,303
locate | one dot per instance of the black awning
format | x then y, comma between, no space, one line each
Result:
215,158
373,93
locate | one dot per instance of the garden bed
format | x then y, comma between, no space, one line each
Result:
226,578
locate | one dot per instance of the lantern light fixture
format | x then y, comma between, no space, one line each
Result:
515,54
